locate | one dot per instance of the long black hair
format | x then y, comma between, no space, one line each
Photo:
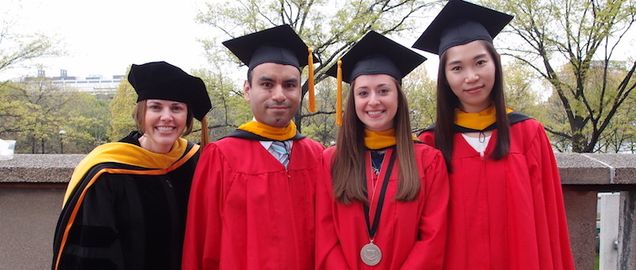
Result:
447,101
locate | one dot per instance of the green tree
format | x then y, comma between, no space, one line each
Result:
578,36
18,48
228,111
121,111
229,108
330,28
86,123
321,125
42,117
13,109
420,89
35,111
519,91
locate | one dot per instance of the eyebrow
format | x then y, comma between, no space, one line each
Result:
265,78
169,104
364,87
481,55
291,80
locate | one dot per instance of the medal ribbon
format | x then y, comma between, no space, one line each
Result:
378,210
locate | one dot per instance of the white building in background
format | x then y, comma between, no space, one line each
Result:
94,84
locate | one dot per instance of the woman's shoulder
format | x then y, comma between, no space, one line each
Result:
528,127
426,153
329,152
427,137
310,143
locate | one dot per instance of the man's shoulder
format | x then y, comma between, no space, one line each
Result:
309,143
232,141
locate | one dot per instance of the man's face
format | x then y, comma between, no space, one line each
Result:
274,94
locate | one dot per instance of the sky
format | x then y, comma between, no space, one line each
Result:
106,37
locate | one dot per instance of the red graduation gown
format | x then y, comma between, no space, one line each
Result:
507,214
411,235
246,211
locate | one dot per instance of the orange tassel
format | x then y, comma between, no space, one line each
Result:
205,136
312,97
339,94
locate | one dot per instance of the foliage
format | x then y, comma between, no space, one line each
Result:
17,48
330,28
121,111
229,108
42,117
85,123
321,126
519,91
572,44
420,93
228,111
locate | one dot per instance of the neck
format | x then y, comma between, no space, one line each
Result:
145,143
274,133
379,139
474,109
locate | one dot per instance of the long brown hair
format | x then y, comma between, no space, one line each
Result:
348,167
447,101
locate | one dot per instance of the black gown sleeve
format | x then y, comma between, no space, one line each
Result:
94,241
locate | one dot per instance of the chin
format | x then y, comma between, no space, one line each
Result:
167,140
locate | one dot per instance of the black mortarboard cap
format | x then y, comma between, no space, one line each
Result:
461,22
377,54
280,45
373,54
161,80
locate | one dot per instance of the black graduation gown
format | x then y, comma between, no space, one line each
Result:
128,210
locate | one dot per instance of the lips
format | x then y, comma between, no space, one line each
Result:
278,107
474,89
164,129
375,114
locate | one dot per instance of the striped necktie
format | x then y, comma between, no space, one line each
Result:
280,152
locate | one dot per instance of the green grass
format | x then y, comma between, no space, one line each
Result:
596,263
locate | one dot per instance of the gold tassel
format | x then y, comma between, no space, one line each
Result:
205,136
339,94
312,97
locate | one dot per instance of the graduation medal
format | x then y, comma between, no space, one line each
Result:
370,254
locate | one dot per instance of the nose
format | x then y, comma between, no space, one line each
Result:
472,76
374,99
166,114
278,95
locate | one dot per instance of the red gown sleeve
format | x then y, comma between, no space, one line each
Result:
551,226
329,253
428,251
427,138
201,248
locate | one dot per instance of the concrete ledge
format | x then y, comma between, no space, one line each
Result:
38,168
32,189
624,166
578,169
575,169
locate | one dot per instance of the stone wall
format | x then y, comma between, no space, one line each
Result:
32,188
